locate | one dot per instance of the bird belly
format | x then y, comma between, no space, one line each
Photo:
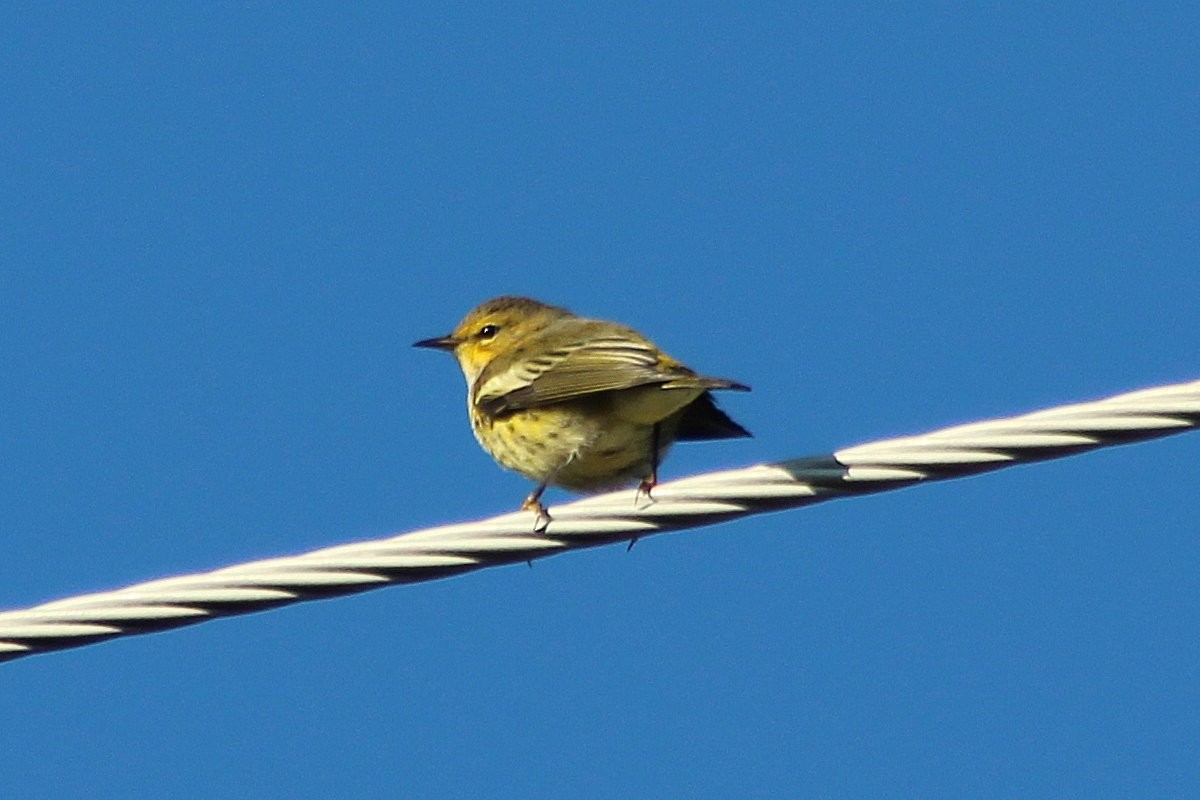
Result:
570,445
618,455
535,442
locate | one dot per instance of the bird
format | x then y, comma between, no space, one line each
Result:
583,404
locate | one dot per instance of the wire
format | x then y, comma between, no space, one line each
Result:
700,500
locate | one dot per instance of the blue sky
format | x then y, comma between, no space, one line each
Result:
222,227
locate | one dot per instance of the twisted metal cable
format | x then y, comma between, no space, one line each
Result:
618,516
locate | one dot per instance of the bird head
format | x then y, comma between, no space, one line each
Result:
492,329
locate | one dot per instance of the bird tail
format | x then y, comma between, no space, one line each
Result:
703,420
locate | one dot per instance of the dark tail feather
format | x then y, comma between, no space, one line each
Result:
703,420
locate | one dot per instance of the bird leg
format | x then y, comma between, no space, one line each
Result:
651,480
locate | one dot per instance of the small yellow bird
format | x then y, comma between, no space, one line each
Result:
579,403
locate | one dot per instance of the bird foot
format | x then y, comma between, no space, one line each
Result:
644,489
542,517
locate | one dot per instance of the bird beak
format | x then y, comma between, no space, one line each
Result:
446,343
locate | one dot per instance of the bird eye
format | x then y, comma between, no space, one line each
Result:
488,331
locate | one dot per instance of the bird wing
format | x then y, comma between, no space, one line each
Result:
577,365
